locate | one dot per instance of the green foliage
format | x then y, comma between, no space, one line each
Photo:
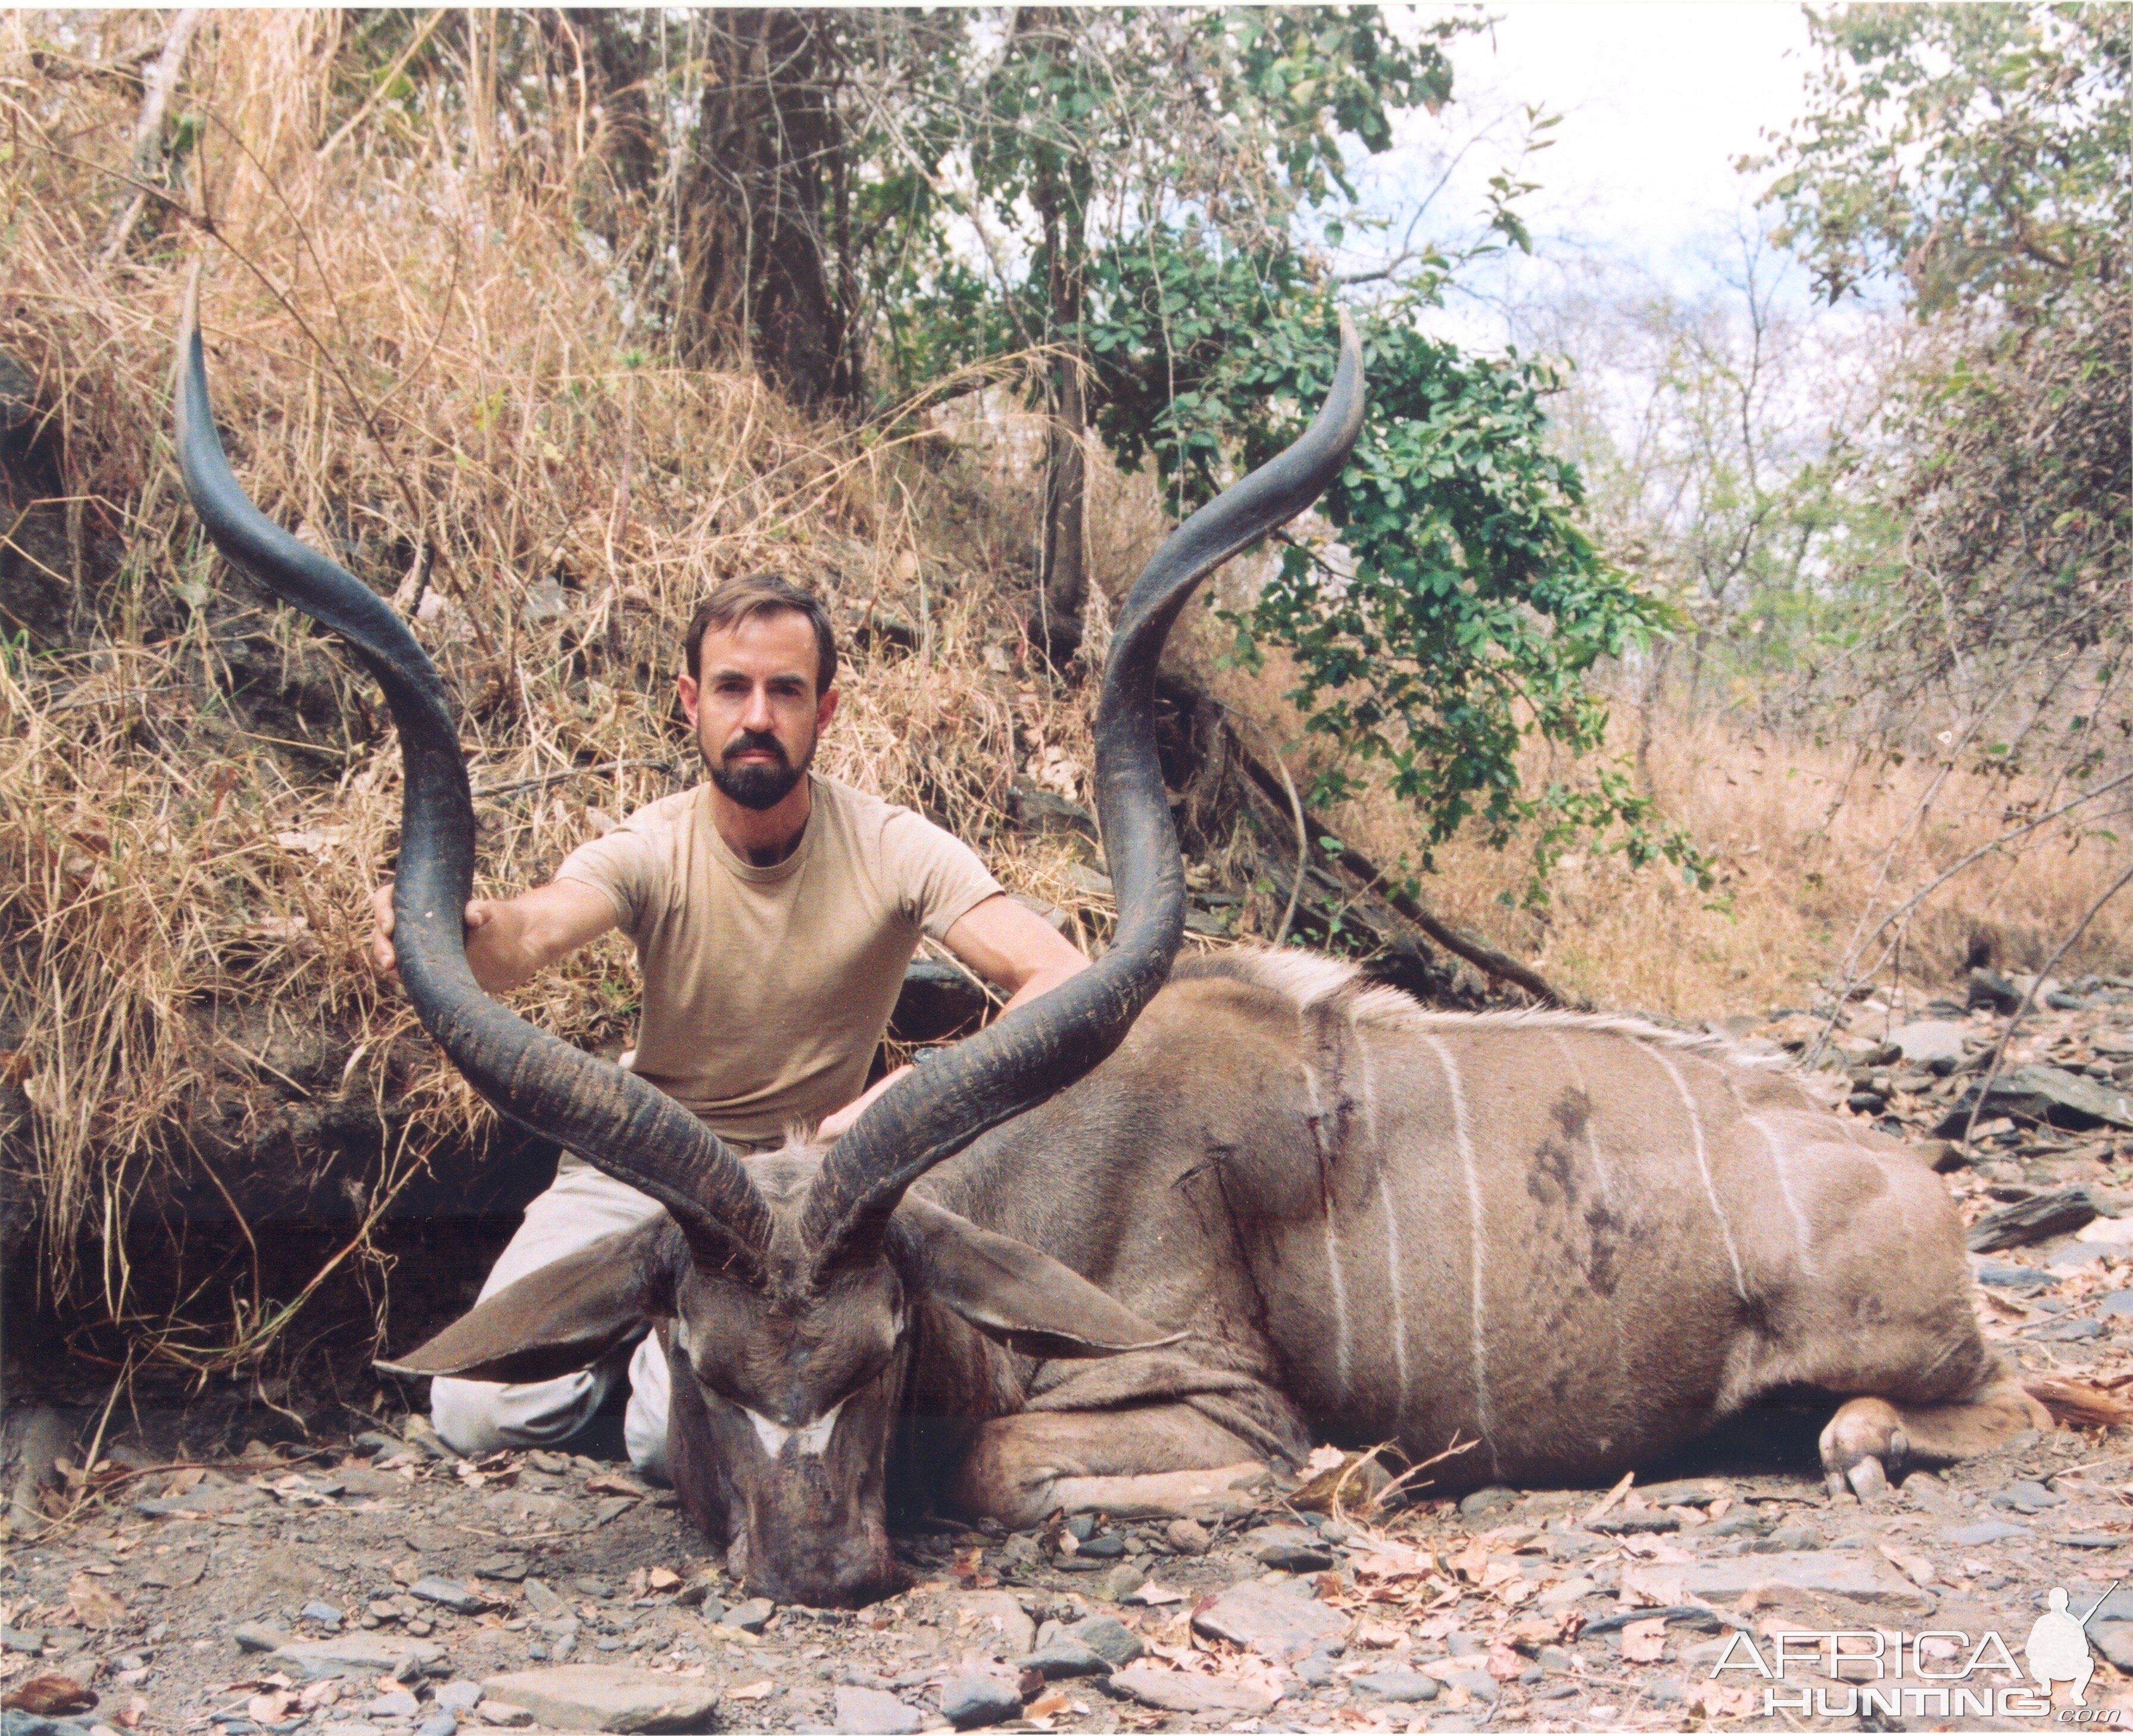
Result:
1980,152
1455,607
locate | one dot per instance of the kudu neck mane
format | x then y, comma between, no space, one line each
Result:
626,1127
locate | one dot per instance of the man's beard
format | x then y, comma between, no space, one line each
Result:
757,787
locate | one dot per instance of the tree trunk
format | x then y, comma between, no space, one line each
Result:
755,272
1062,573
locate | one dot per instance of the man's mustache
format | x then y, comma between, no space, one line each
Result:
755,741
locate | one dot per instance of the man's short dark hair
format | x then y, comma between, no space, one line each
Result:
761,593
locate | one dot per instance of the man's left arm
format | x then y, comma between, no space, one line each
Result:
1014,948
1009,947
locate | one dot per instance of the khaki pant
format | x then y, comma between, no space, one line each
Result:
474,1416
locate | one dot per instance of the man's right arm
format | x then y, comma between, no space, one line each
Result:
509,939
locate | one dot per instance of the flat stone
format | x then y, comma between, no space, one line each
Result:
974,1698
1989,989
2115,1640
456,1598
2068,1332
2058,1213
1172,1690
1487,1500
2027,1497
1110,1639
1685,1492
1926,1041
1274,1621
750,1617
1479,1683
1062,1659
1291,1548
1631,1525
354,1654
1855,1573
2116,1306
543,1599
2015,1277
607,1697
459,1696
323,1613
438,1724
1404,1687
869,1712
2093,1539
213,1493
1003,1627
259,1636
25,1640
507,1568
400,1705
1985,1531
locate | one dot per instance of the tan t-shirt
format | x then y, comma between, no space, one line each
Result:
766,989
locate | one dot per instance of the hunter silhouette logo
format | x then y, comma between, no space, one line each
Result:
2057,1645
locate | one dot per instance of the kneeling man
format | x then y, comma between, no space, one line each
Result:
773,912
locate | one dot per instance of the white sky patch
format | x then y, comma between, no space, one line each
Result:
1658,102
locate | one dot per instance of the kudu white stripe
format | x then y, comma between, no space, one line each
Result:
1317,1119
1702,1163
1478,1318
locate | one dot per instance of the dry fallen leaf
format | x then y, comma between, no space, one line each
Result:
1643,1643
96,1607
663,1579
754,1690
49,1695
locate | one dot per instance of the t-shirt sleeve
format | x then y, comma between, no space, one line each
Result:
938,877
625,865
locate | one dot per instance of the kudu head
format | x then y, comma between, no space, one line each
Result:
792,1291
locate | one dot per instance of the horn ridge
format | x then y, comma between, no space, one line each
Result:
616,1121
1025,1057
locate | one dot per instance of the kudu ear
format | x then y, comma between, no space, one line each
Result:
563,1316
1011,1292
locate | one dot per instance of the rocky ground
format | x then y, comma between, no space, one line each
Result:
380,1585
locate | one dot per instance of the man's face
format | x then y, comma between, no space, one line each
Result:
754,706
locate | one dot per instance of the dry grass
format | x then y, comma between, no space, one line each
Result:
419,364
1814,848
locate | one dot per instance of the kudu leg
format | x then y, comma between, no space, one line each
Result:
1869,1441
1022,1468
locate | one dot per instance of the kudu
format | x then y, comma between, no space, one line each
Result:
813,1305
1283,1206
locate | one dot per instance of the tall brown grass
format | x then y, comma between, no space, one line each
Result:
1830,865
419,363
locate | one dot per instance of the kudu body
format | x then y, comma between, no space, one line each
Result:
1281,1206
